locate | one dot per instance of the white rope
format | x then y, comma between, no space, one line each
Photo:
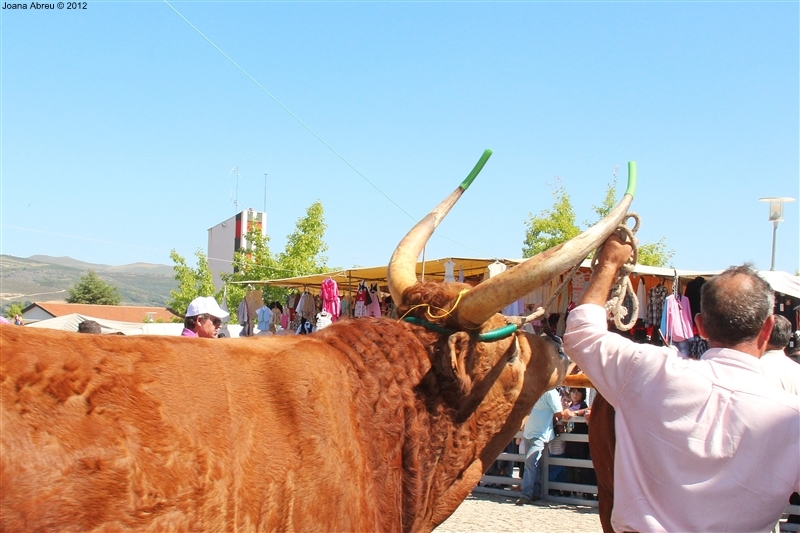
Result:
622,285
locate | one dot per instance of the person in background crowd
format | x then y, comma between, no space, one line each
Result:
537,432
777,366
203,318
89,326
714,439
578,450
18,321
783,372
557,446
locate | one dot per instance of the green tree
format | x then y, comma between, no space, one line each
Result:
254,264
192,282
302,255
305,246
15,308
655,253
552,226
93,290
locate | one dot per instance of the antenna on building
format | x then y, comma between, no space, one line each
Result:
236,198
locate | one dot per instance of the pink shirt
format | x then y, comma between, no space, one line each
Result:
188,333
677,323
707,445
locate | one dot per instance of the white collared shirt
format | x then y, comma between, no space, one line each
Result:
708,445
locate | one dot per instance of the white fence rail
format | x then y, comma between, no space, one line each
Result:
504,485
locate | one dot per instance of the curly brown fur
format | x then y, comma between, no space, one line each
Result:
363,426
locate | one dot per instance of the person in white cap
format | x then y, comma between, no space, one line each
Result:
203,318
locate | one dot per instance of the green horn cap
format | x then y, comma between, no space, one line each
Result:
475,171
631,178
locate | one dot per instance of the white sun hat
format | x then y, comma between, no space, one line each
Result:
206,305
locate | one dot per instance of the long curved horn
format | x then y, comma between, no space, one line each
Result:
402,270
489,297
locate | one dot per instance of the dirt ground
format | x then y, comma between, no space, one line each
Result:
491,513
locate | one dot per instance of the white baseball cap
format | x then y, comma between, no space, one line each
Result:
206,305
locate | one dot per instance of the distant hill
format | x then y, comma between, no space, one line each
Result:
41,278
135,268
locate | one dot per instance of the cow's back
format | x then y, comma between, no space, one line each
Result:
159,433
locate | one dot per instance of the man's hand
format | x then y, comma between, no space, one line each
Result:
613,255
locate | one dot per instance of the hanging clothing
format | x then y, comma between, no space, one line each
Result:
448,270
244,319
676,320
641,295
255,299
275,319
331,303
496,268
515,308
264,315
374,307
324,319
361,301
693,293
306,307
579,282
655,304
305,327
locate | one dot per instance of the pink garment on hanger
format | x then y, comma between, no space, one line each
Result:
330,298
677,319
374,308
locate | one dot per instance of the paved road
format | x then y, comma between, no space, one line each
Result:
489,513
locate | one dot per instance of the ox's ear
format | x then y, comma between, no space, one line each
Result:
459,346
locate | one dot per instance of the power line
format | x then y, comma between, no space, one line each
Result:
312,132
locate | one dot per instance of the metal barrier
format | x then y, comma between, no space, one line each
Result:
790,510
504,485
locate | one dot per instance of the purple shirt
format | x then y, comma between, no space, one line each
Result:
708,445
188,333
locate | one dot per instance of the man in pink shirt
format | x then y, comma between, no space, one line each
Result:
708,445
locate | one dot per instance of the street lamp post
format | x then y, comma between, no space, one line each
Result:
775,216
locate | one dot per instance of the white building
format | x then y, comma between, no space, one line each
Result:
231,235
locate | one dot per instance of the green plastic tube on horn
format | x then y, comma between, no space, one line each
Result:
631,178
475,171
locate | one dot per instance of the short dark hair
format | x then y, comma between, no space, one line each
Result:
191,321
735,305
581,390
89,326
781,333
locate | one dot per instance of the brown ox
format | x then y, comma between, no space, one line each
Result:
367,425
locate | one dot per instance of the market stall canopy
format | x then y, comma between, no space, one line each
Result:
434,269
474,268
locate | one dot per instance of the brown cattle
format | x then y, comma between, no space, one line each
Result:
367,425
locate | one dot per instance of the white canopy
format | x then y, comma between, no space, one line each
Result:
70,323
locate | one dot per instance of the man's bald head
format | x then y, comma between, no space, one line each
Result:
735,305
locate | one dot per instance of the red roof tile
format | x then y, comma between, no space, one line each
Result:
122,313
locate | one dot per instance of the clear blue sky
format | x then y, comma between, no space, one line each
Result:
121,123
